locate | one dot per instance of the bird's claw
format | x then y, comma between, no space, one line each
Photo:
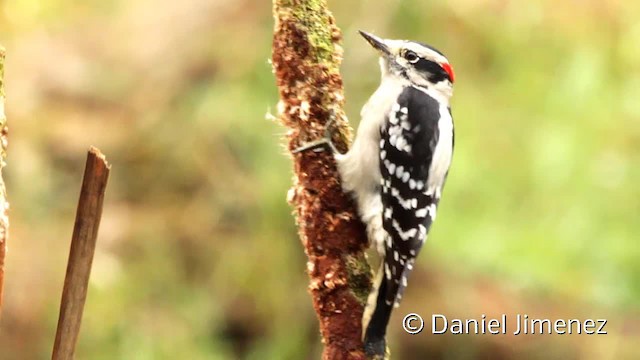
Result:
326,140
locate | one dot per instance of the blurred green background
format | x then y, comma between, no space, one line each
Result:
198,256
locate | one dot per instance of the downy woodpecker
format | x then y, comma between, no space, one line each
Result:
397,167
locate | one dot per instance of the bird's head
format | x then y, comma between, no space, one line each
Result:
420,64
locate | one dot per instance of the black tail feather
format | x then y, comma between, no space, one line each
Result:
374,340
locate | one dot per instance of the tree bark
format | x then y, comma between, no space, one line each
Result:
4,204
306,59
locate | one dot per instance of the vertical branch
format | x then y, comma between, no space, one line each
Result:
4,204
83,244
306,60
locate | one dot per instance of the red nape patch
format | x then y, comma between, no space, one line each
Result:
449,71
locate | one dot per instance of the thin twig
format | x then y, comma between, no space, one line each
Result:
83,244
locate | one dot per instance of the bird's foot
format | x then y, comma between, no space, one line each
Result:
325,141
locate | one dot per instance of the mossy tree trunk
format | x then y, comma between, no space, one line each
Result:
306,60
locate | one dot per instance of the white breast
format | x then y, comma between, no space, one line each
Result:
360,166
360,169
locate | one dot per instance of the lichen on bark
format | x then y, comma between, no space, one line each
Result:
306,59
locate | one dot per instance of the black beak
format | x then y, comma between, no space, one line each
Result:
376,42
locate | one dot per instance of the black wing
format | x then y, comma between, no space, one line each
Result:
407,145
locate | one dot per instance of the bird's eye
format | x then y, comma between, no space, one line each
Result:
411,56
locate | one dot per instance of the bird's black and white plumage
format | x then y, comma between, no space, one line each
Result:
397,167
408,142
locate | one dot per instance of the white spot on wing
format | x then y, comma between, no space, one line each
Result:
406,204
392,118
404,235
400,143
393,139
391,168
432,211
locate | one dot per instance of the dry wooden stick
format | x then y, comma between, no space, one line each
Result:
4,204
83,244
306,60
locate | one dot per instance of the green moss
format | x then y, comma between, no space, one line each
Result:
359,273
313,17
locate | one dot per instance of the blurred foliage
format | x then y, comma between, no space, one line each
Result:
198,254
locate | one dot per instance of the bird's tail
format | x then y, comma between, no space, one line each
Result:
385,295
376,316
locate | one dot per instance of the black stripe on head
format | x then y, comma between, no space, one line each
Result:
430,47
433,71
